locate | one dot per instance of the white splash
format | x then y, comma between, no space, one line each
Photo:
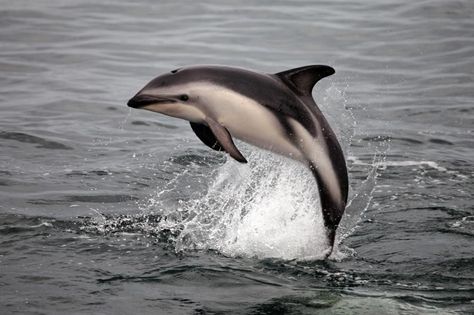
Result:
267,208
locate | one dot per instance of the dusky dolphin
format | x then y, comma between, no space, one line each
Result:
275,112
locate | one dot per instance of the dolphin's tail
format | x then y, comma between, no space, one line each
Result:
331,234
332,208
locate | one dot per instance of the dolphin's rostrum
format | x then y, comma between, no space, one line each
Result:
275,112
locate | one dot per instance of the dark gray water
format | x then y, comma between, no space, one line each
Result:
110,211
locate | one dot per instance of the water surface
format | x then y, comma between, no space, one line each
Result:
110,211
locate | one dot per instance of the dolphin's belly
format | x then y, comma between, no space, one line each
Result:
253,123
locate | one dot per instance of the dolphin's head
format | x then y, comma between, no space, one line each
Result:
173,94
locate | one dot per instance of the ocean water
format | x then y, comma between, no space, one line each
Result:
108,210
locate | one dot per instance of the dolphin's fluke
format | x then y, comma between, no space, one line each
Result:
225,140
303,79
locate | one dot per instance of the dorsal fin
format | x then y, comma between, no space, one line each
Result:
304,78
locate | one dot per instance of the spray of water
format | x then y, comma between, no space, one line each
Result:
267,208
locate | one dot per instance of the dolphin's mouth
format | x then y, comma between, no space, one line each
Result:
143,100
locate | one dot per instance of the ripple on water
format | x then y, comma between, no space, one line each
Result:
38,141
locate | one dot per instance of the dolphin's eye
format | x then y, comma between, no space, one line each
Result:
174,71
184,97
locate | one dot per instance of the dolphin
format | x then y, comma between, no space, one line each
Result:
275,112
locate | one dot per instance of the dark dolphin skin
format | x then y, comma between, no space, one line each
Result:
273,111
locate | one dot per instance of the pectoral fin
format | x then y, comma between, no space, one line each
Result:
204,133
225,140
